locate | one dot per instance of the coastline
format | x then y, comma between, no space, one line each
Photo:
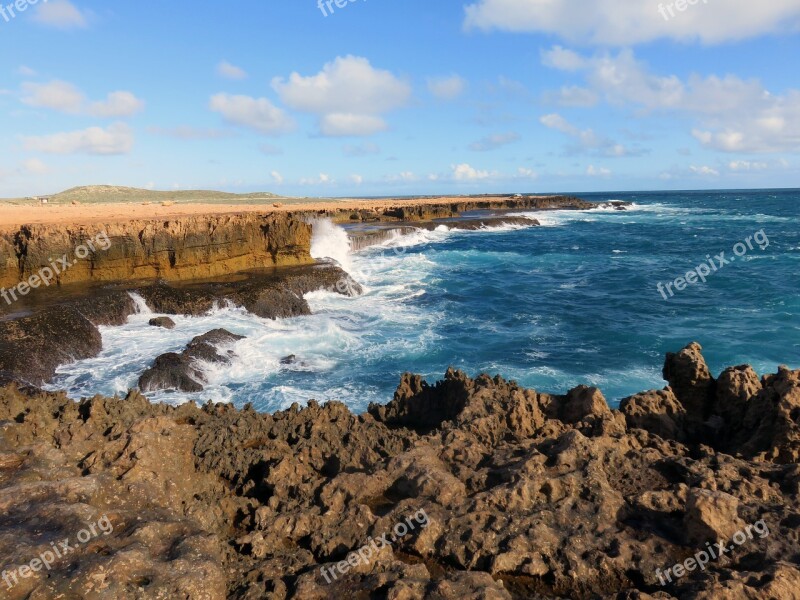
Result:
14,215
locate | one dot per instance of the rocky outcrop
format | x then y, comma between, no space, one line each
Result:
32,346
183,371
454,208
467,488
175,250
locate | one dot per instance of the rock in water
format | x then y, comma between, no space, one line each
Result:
173,371
164,322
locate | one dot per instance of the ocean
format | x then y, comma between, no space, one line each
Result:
574,301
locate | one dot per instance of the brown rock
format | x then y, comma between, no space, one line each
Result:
711,516
691,381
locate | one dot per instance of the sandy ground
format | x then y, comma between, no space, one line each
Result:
13,216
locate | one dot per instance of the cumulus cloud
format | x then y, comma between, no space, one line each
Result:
115,139
65,97
349,96
746,165
321,179
447,88
117,104
704,171
357,179
56,95
349,124
593,171
230,71
61,14
258,114
731,114
277,178
492,142
611,22
572,96
466,172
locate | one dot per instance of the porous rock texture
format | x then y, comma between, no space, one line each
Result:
527,495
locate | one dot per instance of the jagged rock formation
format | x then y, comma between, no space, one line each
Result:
525,495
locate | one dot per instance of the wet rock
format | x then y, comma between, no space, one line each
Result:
164,322
289,360
173,371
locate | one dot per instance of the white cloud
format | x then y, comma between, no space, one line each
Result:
349,96
60,14
276,177
65,97
321,179
404,176
704,171
526,173
357,179
35,166
26,71
573,96
593,171
447,88
230,71
117,104
465,172
115,139
492,142
258,114
56,95
586,140
562,59
612,22
349,124
746,165
731,114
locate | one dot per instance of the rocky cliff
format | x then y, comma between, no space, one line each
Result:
178,249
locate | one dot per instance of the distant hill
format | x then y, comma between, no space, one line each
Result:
95,194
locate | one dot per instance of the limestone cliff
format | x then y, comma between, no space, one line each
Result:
178,249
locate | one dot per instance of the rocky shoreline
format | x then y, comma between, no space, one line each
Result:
525,495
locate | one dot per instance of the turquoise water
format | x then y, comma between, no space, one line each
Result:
574,301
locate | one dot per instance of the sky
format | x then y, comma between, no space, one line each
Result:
399,97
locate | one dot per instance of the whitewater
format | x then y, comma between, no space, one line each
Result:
570,302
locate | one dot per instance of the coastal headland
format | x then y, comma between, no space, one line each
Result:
470,487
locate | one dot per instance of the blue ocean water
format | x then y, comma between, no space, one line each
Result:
573,301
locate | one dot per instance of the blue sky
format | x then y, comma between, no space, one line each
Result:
386,97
